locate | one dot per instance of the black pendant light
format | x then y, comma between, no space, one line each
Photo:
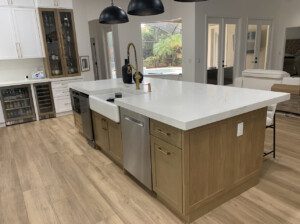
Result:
190,0
145,7
113,15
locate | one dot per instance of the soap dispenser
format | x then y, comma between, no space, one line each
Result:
127,72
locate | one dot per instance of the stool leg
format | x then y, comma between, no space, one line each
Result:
274,137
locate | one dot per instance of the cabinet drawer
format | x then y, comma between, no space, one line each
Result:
62,105
60,85
167,172
167,133
61,93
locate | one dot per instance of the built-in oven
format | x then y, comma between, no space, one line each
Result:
81,106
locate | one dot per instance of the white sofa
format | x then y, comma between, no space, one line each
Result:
261,79
264,80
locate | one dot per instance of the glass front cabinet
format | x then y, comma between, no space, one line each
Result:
59,38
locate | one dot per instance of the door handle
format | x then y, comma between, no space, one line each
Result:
163,152
132,120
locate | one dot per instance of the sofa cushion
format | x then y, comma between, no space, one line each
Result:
262,73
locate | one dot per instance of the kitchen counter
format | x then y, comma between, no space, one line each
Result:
33,81
205,142
185,105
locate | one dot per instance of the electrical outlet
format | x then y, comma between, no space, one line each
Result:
240,129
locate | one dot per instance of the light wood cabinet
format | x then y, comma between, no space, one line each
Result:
60,42
210,166
115,141
100,125
108,136
167,172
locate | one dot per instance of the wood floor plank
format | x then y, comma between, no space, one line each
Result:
49,174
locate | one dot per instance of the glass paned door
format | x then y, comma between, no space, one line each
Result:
213,45
228,63
52,42
258,42
221,50
69,42
111,54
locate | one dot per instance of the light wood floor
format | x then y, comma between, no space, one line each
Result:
49,174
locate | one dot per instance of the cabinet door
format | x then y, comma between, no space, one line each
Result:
46,3
167,172
69,43
115,141
27,31
3,2
100,125
2,120
65,4
8,49
52,43
24,3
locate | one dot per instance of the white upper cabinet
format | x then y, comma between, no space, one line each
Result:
4,2
18,3
27,33
22,3
65,4
8,48
20,37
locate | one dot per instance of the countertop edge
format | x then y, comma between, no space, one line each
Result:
186,126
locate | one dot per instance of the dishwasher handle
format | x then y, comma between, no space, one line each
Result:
135,121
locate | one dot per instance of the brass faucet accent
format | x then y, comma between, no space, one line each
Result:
137,73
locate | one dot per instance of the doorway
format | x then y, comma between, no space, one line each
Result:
291,61
258,44
105,51
222,45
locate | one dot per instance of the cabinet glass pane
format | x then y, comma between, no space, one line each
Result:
52,43
69,42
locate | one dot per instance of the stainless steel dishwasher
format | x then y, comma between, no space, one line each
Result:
136,146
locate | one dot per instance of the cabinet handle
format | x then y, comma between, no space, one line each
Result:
132,120
104,127
20,48
163,133
163,152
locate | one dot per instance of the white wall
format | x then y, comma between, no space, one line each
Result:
16,70
131,32
293,33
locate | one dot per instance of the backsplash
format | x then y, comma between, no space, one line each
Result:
16,70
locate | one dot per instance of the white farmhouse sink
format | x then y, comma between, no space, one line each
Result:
99,104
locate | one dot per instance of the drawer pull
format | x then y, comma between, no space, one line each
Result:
163,152
104,124
163,133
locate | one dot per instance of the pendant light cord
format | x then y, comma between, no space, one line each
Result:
112,2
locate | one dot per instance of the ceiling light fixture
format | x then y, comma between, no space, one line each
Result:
190,0
145,7
113,15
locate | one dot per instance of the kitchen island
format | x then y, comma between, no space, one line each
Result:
206,141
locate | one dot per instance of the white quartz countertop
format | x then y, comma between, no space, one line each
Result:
186,105
33,81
